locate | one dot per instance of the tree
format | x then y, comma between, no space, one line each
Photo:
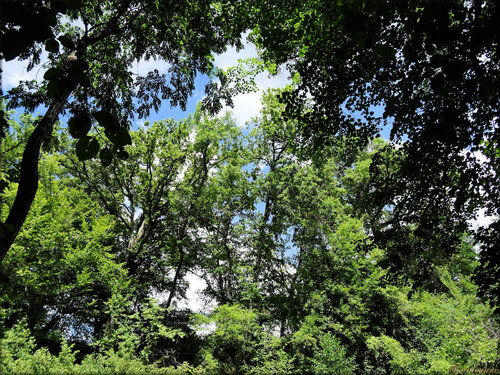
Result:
414,242
165,198
90,52
61,268
431,68
290,249
239,345
443,334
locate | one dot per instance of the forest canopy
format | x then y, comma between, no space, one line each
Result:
320,247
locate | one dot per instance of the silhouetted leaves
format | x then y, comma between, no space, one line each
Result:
66,41
53,74
106,156
107,120
119,138
52,46
86,148
79,125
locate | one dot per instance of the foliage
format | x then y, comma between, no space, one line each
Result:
428,73
91,53
450,331
134,333
20,357
61,261
239,345
331,357
310,269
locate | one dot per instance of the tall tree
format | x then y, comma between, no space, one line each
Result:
165,198
432,69
90,53
61,269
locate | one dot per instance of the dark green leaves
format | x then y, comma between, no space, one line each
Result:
106,156
12,44
66,41
53,89
117,134
73,4
58,88
86,148
107,120
59,84
122,154
53,74
120,137
79,125
52,46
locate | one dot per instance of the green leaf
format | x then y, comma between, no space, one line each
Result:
54,89
79,66
79,73
82,79
50,17
106,156
120,137
52,45
66,41
53,74
107,120
13,44
58,88
122,154
79,125
86,148
73,4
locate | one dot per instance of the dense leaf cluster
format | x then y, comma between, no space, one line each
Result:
306,272
324,249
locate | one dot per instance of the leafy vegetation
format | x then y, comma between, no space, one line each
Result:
320,248
289,251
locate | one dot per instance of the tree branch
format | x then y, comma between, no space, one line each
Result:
28,178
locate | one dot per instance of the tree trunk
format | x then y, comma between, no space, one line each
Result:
28,178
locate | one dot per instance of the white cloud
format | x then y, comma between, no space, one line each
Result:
143,67
481,220
230,57
248,105
15,71
193,300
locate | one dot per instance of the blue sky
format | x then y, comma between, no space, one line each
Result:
245,106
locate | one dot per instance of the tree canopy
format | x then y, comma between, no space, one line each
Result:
319,246
306,271
427,71
90,52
